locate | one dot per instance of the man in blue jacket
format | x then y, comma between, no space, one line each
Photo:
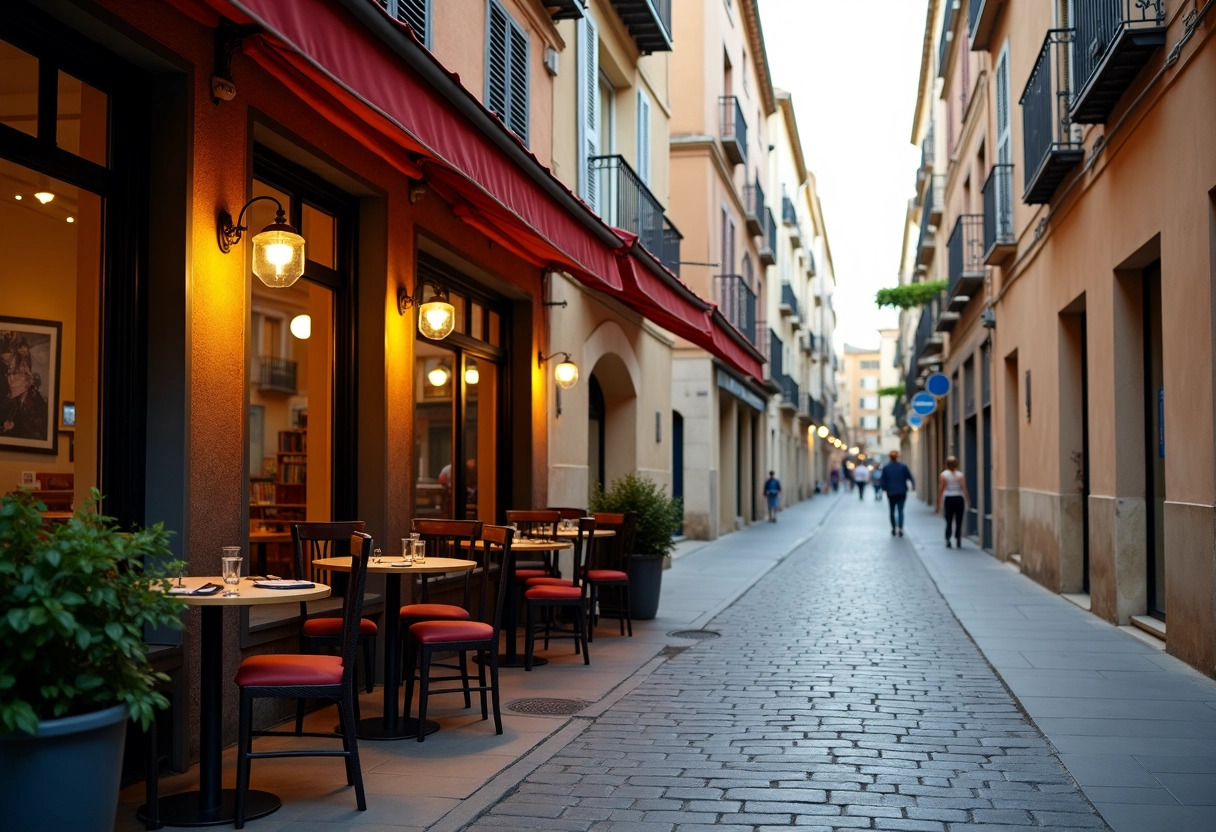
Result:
895,479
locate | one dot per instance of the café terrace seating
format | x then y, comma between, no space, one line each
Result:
536,524
543,601
607,572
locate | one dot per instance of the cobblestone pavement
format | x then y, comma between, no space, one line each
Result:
842,694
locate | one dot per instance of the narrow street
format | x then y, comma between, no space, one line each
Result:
842,693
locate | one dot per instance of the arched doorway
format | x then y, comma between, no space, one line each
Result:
612,421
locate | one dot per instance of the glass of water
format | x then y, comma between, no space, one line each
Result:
231,562
407,550
419,551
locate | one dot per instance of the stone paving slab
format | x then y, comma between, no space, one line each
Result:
842,694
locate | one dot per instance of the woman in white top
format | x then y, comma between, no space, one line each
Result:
952,493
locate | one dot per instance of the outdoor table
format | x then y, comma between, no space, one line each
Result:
212,805
392,726
510,613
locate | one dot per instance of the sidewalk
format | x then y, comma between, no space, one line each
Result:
1135,727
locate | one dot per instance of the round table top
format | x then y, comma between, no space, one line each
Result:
571,534
432,566
527,544
250,594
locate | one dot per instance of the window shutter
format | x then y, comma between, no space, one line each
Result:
644,137
414,12
496,61
589,109
518,120
1003,155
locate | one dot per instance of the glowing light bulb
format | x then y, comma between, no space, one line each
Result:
301,327
471,375
44,196
566,374
438,376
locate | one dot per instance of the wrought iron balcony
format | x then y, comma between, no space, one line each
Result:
983,15
816,409
753,208
999,242
810,263
737,302
789,216
1114,40
1051,149
734,129
933,343
276,375
768,241
671,246
788,305
946,320
789,391
965,253
627,203
927,150
648,22
926,244
935,198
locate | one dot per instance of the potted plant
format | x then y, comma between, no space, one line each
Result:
74,601
658,515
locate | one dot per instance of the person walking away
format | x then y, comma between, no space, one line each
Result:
834,477
772,494
952,494
876,482
861,476
895,479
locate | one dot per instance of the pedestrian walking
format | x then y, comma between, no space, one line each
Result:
772,494
952,495
895,480
834,477
876,482
861,476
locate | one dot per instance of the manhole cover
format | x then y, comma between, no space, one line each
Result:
696,635
547,707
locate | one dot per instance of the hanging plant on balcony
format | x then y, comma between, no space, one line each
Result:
910,295
897,390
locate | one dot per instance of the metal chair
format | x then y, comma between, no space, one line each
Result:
548,599
608,571
308,676
480,633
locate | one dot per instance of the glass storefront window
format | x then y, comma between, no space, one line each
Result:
19,104
82,119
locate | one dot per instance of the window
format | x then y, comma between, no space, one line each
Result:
869,382
869,365
869,422
507,70
415,13
643,151
869,402
589,115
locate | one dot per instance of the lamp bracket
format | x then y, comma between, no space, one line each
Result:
228,39
560,303
229,233
541,358
405,299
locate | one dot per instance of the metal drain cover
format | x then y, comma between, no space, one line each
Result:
547,707
696,635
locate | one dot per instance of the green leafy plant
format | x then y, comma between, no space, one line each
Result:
658,514
895,390
75,599
910,295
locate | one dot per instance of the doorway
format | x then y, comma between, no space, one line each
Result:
1074,552
1154,440
677,462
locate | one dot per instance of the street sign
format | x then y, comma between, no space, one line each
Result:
938,384
924,403
915,420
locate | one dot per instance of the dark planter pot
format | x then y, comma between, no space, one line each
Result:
65,778
645,581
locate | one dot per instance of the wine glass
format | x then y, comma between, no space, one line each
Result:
232,570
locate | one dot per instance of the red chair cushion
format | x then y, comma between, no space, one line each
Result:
550,582
434,612
556,593
289,670
333,627
606,575
435,632
521,574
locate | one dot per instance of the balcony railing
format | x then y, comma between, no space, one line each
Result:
648,21
789,301
789,215
276,375
734,129
965,258
1115,39
789,391
671,246
999,242
738,303
768,243
927,150
627,203
935,198
1051,150
753,208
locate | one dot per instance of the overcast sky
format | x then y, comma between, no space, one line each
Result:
852,71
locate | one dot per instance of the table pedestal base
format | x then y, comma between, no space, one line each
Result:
372,728
185,810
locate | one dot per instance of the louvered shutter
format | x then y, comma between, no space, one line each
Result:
416,13
589,110
518,81
643,137
497,47
1004,150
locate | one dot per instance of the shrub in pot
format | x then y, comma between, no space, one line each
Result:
74,601
658,515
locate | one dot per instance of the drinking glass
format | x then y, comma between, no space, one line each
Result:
232,570
407,550
419,551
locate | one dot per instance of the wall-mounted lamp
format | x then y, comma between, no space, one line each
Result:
436,316
278,249
439,376
301,327
565,373
471,374
823,431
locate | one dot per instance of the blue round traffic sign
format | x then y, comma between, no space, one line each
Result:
938,384
915,420
924,403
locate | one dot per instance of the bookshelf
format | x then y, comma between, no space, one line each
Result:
276,502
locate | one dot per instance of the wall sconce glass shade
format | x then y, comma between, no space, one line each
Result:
436,317
438,376
566,374
301,327
44,196
278,249
823,431
471,374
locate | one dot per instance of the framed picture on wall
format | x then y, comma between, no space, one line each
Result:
29,397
